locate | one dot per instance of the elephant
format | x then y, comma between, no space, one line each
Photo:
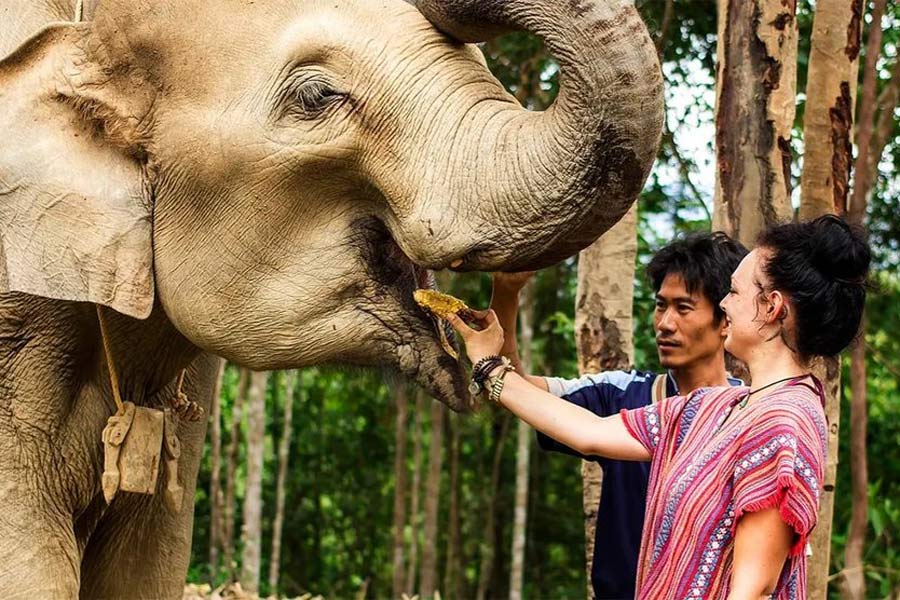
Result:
266,182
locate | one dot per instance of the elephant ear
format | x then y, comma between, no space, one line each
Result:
74,224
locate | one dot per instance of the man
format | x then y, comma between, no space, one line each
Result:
690,277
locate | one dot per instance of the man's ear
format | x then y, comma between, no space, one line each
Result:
74,224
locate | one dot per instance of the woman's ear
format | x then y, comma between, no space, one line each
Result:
74,222
778,308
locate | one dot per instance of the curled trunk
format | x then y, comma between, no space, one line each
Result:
547,184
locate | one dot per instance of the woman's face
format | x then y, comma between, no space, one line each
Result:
745,311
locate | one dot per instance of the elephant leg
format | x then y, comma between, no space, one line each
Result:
140,549
38,551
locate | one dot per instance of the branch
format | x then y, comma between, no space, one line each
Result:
881,360
684,168
861,183
887,104
663,35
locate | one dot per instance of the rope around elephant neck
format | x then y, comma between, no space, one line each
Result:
111,368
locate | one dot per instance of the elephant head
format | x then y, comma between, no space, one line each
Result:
280,175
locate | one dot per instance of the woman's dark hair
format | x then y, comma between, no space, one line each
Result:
823,266
705,262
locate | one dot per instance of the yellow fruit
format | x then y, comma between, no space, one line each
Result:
441,305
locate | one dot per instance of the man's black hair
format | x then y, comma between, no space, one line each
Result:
705,262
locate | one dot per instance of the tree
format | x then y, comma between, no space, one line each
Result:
414,513
251,532
603,324
284,446
854,574
489,512
755,96
454,578
401,424
825,181
428,575
523,451
215,487
232,453
828,115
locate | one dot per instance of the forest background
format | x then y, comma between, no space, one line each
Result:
349,483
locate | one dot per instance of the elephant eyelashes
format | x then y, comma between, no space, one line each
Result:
311,98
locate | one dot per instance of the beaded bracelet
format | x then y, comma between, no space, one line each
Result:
480,372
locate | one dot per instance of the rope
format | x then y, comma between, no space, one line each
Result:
79,11
113,376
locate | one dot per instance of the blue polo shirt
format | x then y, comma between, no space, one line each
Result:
620,516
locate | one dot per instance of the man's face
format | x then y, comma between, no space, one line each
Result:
685,325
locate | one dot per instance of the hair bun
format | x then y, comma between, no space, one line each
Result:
822,265
839,251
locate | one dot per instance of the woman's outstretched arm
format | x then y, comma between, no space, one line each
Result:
577,428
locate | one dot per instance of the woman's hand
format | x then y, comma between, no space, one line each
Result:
479,344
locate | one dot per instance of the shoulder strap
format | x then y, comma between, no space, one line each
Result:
658,392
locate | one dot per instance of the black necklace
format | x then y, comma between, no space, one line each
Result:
743,402
746,399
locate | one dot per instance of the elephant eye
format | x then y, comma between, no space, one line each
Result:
311,98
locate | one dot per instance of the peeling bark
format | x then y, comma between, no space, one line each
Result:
841,117
603,326
756,89
830,98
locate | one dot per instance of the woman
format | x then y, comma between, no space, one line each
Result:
736,472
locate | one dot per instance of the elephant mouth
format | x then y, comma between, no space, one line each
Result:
419,346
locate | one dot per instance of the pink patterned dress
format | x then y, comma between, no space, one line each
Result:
708,470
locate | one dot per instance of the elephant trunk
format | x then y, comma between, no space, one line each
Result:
548,184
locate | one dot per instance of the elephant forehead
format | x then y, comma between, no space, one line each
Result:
198,43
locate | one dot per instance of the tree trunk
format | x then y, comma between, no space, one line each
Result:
251,531
755,95
284,447
603,335
234,444
428,575
414,516
523,451
854,579
402,427
490,511
828,116
854,575
215,485
454,579
825,181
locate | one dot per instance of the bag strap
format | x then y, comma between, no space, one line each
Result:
658,391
